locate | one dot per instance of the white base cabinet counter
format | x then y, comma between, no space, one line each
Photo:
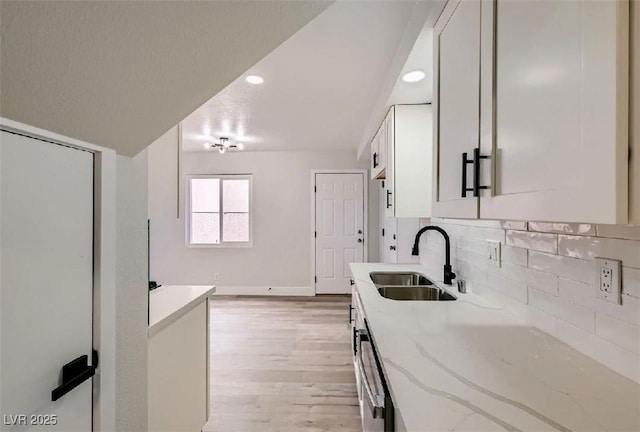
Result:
468,365
178,358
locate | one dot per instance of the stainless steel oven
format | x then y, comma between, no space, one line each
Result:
376,407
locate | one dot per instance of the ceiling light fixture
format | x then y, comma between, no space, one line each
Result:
413,76
254,79
224,145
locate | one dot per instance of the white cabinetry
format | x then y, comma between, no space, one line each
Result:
378,154
409,161
456,102
634,192
542,89
396,237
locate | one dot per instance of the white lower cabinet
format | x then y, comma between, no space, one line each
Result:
540,107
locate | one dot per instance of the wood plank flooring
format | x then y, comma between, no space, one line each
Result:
281,364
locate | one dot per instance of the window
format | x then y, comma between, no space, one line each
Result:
219,210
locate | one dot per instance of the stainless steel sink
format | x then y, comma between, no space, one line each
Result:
424,293
408,286
399,279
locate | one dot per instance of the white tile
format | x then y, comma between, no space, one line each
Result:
570,268
514,255
512,288
514,225
542,320
619,332
576,292
628,311
563,228
631,281
535,241
469,222
628,251
537,279
631,232
575,314
611,355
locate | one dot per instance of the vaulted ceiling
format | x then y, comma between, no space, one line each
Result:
321,85
121,73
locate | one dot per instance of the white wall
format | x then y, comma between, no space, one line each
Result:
281,255
546,280
131,294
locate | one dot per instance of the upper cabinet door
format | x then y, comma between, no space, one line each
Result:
554,80
375,165
390,177
456,114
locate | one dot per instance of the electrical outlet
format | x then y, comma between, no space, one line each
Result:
493,253
607,279
216,276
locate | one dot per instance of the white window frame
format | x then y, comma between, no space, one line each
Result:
222,244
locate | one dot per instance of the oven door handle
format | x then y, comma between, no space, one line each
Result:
377,401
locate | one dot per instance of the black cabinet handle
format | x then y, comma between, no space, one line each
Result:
475,161
392,248
75,373
476,172
351,282
354,333
465,162
388,195
375,160
350,314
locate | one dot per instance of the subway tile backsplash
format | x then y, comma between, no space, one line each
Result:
546,279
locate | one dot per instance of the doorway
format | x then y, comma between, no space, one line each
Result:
339,228
46,285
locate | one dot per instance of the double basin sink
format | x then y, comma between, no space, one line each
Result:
408,286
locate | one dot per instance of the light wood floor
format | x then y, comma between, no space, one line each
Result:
281,364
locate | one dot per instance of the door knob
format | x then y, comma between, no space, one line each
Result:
360,240
359,231
392,248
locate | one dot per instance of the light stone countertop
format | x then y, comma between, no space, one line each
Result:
170,302
470,365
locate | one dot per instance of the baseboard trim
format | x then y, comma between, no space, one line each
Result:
306,291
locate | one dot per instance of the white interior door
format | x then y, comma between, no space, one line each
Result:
46,257
339,230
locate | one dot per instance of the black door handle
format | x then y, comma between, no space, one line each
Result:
375,160
75,373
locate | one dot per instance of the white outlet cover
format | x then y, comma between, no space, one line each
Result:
494,253
607,280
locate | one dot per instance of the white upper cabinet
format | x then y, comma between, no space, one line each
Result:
378,154
456,111
408,178
558,131
543,85
634,192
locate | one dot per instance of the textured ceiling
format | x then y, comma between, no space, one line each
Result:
320,85
121,73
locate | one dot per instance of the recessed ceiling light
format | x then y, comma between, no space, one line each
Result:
254,79
240,146
207,145
413,76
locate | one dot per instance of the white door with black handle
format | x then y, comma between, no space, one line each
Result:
46,286
339,230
